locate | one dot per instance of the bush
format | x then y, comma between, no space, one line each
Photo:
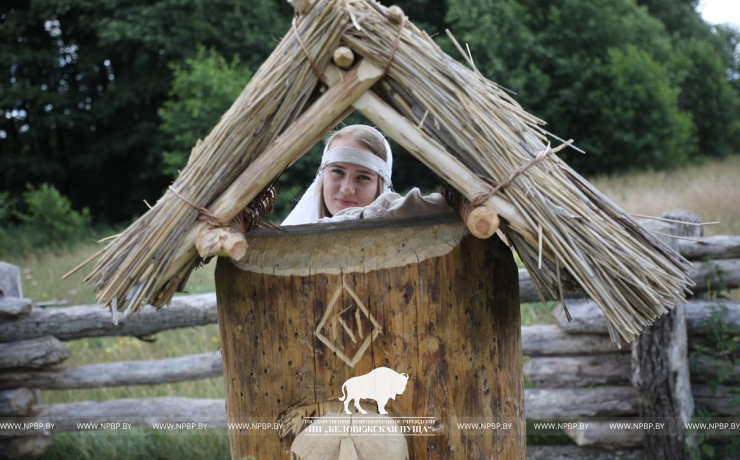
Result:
47,220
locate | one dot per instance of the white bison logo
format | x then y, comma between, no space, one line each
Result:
380,384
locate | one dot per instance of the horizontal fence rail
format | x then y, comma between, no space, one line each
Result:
70,323
563,360
541,405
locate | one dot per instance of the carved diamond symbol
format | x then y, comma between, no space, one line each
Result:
365,330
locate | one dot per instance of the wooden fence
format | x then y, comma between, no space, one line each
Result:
577,373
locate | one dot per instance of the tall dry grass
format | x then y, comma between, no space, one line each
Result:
711,190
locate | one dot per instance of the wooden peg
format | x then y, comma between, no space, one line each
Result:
343,57
482,221
395,13
221,241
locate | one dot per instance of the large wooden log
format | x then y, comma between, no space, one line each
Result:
703,274
550,339
150,372
33,353
545,405
578,371
581,453
660,365
136,412
24,448
307,310
13,307
628,433
609,369
71,323
711,247
588,319
18,401
600,433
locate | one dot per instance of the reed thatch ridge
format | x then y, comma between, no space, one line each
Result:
465,128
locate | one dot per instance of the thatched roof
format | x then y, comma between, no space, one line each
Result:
466,129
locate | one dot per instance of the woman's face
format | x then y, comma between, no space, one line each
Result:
347,185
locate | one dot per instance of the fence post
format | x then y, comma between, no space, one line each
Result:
10,280
660,366
18,402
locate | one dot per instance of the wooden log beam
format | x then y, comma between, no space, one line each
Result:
711,247
545,405
139,412
550,339
582,453
578,371
544,372
18,401
431,153
13,307
704,275
123,373
71,323
600,433
588,319
33,353
297,139
609,369
542,405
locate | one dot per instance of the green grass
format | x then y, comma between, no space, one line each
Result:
140,444
709,190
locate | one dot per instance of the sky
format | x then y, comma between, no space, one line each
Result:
720,11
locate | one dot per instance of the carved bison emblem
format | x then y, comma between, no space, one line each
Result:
380,384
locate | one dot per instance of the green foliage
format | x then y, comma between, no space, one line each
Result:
203,88
96,91
609,75
49,220
730,38
85,80
707,94
637,122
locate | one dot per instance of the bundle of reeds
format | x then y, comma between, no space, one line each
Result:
468,130
143,264
566,232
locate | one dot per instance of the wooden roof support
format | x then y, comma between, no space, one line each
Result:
300,136
481,219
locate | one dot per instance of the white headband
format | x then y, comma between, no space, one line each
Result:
307,210
360,158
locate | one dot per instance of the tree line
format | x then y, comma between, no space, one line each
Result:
104,99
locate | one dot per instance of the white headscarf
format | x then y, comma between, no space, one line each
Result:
308,207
